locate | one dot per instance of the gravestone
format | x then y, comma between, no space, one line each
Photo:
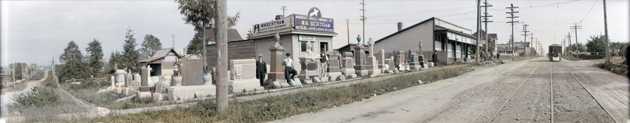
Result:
243,73
191,71
310,68
389,62
348,65
334,67
362,66
414,65
400,61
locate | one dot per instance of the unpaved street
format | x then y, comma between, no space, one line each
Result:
527,91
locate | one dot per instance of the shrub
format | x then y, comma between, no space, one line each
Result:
38,97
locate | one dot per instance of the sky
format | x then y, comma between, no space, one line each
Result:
37,31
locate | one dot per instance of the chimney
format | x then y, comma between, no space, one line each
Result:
400,26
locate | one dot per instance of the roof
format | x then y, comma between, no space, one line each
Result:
233,35
405,29
161,54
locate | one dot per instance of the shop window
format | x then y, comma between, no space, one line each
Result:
303,45
323,46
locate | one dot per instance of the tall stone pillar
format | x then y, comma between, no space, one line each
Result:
276,73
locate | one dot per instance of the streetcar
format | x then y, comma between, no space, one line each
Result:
555,50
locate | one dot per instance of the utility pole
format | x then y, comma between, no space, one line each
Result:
607,51
363,18
575,27
348,29
525,32
512,18
222,55
477,54
284,9
486,20
569,40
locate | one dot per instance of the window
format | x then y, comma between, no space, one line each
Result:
303,46
438,45
323,46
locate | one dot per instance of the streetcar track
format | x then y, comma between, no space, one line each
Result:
551,94
590,94
519,87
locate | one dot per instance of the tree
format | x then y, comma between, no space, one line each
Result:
196,44
115,60
596,45
73,66
150,45
200,13
95,57
129,54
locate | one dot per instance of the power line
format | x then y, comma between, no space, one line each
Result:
486,20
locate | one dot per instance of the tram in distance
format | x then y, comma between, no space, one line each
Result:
555,50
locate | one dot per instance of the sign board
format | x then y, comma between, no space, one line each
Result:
315,24
272,26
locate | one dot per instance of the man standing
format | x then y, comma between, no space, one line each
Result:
261,70
289,71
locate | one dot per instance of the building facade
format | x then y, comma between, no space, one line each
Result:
449,42
303,36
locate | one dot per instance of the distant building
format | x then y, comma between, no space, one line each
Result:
452,43
520,49
161,65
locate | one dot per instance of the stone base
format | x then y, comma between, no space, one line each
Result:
245,85
349,73
375,72
335,76
182,93
144,95
414,67
363,73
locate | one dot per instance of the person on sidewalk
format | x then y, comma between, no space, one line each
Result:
289,71
261,70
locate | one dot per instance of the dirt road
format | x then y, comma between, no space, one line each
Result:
527,91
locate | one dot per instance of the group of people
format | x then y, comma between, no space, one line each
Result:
289,70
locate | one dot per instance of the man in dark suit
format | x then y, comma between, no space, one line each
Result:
261,70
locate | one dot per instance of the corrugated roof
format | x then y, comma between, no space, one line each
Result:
161,54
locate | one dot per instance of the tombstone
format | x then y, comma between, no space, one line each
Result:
389,62
113,81
362,66
310,70
120,78
144,76
414,65
334,67
191,70
243,73
348,65
276,73
400,61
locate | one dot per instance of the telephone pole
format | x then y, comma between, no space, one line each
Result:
477,54
575,28
607,51
512,18
222,56
525,32
363,18
284,9
569,40
486,20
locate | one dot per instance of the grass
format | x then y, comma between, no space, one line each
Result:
278,107
42,104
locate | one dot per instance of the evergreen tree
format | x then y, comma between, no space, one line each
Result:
150,45
129,54
196,44
73,66
95,58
